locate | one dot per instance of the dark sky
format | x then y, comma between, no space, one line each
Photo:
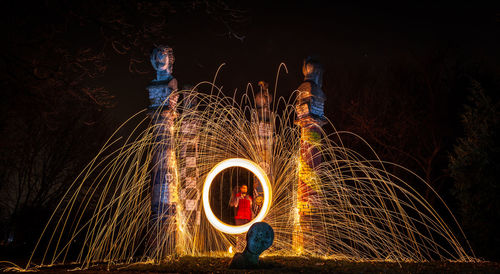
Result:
346,37
341,35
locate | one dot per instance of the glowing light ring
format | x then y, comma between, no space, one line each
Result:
261,176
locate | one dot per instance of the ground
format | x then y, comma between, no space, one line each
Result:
287,264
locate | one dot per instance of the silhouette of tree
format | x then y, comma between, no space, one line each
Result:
474,165
52,118
402,111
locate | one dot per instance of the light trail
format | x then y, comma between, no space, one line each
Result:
367,212
263,179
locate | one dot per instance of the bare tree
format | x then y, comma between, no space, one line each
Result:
52,121
401,110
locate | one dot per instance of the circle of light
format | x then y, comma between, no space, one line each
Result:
266,187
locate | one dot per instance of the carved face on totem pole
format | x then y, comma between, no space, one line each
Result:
313,71
263,98
311,98
262,101
162,59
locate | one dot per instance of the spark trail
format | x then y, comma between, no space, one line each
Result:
366,212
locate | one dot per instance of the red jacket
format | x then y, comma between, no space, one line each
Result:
244,207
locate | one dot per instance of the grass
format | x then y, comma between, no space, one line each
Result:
275,264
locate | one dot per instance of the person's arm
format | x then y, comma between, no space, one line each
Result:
234,200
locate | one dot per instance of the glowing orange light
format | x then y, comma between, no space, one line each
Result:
266,187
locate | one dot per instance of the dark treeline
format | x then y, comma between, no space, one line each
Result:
437,116
55,107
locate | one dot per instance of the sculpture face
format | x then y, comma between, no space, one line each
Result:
263,98
260,237
313,71
307,69
162,59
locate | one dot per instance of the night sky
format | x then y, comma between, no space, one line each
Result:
347,38
342,36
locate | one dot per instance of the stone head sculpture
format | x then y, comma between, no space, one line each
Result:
311,98
262,101
260,237
162,59
313,71
263,98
